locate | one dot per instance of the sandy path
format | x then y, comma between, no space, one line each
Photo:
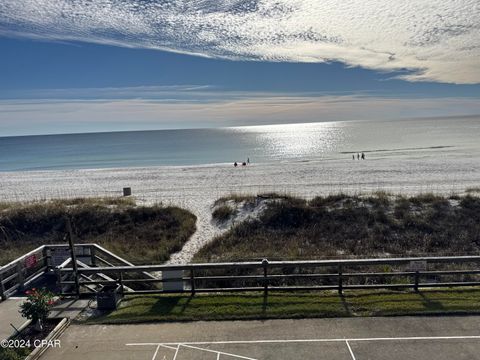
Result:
196,188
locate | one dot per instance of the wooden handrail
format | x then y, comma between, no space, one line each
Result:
263,280
279,264
259,275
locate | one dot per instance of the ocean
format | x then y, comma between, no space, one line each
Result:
455,138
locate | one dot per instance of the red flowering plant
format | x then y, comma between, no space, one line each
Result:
37,306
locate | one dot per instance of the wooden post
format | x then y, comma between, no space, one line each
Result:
20,276
417,280
59,280
265,279
93,259
120,280
46,257
340,280
2,288
73,256
192,281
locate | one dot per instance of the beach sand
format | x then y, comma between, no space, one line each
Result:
197,187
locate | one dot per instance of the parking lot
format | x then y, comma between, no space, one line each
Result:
403,338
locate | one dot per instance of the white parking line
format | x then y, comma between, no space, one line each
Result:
169,347
350,349
156,352
218,352
176,351
177,348
195,345
410,338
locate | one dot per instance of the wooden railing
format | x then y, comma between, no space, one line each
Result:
387,273
19,274
99,267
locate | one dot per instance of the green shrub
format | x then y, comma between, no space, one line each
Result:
37,304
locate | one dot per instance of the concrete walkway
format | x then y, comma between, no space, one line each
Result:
9,315
69,308
400,338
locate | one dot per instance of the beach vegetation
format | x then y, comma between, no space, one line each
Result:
236,198
332,200
223,213
342,226
250,198
141,234
379,198
426,198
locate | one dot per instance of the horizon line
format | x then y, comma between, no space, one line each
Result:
249,126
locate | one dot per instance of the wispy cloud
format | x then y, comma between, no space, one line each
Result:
67,115
126,92
429,40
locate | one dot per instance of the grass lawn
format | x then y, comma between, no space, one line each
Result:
155,308
14,353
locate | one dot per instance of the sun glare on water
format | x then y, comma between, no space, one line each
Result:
297,140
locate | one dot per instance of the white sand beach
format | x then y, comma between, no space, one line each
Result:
197,187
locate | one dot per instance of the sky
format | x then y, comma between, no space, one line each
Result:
113,65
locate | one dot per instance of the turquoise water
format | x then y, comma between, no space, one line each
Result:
458,137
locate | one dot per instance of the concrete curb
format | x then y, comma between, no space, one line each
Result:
20,329
54,334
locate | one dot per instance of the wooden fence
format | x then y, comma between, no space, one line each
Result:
390,273
98,267
19,273
49,259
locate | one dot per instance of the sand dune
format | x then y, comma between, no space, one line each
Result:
197,187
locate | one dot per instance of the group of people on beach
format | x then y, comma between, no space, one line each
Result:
359,156
243,163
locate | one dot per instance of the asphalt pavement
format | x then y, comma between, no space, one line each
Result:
382,338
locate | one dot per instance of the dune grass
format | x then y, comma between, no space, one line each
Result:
243,306
76,201
236,198
223,213
340,226
141,234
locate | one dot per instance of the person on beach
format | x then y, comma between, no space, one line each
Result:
358,156
235,164
248,160
363,156
353,156
244,164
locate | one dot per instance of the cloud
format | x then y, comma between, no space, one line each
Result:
41,116
425,40
180,92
